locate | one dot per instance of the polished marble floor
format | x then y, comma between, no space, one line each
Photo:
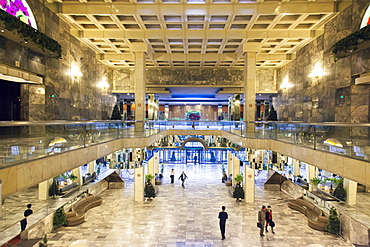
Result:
188,217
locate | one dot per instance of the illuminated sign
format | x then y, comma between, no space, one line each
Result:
19,9
365,20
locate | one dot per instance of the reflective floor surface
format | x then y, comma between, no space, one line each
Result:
188,217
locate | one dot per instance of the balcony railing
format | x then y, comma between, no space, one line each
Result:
24,141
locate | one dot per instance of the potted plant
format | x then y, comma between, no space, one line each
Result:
43,242
72,177
60,218
333,225
315,182
149,190
239,192
340,192
53,190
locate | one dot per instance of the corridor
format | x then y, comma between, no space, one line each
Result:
188,217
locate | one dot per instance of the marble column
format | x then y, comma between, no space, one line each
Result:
230,164
249,186
156,163
91,167
311,172
140,89
249,88
139,180
236,168
296,168
44,189
77,173
151,168
351,189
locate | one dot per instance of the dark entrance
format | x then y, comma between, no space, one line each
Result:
10,101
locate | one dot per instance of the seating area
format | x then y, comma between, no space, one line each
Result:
76,215
315,216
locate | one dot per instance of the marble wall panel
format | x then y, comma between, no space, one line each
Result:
292,189
338,74
71,96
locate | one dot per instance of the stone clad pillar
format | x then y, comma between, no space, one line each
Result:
156,162
139,180
91,167
249,185
151,168
1,199
296,168
44,189
351,189
236,168
230,164
140,87
77,173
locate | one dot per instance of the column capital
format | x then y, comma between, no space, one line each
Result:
251,47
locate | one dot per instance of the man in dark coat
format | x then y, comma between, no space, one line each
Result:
223,217
183,177
27,213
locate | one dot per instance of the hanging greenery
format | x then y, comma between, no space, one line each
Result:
333,225
30,34
351,42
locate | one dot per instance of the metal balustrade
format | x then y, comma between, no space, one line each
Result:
24,141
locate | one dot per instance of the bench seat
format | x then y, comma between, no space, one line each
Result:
77,214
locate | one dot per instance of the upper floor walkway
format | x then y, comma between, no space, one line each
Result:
31,152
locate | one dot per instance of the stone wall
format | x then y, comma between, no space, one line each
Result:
75,98
124,79
318,98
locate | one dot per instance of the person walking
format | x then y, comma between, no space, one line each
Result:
261,219
223,217
172,176
195,159
27,213
269,219
183,177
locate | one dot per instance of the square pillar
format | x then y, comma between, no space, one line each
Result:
140,89
156,163
230,164
249,184
250,87
77,173
236,168
139,180
296,168
151,168
44,189
351,189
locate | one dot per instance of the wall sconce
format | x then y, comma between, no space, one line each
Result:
75,73
103,84
317,72
286,84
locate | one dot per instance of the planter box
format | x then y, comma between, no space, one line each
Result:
360,47
14,36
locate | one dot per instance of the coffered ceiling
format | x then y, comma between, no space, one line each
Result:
196,33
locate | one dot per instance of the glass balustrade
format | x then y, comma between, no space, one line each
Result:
23,141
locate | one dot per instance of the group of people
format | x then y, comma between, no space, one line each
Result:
264,220
182,177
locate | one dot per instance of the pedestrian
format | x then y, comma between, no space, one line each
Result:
223,217
269,219
172,176
195,159
27,213
183,177
261,219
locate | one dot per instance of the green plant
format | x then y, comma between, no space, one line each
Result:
60,218
239,178
333,225
149,177
43,242
72,177
315,181
28,33
116,114
162,168
340,192
223,168
351,42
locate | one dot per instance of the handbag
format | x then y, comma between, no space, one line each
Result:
259,225
272,224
